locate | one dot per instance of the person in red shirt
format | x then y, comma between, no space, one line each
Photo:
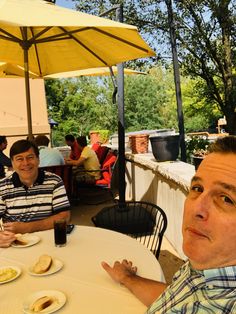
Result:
75,151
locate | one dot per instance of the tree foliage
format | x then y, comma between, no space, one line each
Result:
84,104
79,105
205,33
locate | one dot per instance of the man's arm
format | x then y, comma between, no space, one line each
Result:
38,225
5,161
77,162
146,290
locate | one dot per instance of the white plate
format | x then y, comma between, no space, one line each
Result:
31,239
60,296
55,267
17,269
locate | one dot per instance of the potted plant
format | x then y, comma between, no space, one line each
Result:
197,149
198,156
101,136
165,147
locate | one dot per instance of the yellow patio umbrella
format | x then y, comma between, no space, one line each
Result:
45,39
8,70
102,71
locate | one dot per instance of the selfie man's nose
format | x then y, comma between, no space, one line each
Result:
201,206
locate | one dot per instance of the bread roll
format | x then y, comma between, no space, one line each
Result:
19,240
43,264
41,304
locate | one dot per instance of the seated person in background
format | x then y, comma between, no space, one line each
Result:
4,160
75,151
48,156
89,162
31,199
206,283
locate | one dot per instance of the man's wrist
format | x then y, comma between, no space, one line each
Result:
127,280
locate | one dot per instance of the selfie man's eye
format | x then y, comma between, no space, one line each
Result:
196,188
227,199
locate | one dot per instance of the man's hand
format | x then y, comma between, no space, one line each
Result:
16,227
6,238
36,225
68,161
146,290
120,270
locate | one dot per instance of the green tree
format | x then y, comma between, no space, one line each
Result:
79,105
84,104
206,42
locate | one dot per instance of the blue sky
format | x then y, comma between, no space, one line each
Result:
65,3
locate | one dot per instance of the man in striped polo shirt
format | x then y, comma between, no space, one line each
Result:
206,283
30,199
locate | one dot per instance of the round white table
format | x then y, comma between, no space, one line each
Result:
87,287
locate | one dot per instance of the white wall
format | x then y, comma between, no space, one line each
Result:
13,113
163,183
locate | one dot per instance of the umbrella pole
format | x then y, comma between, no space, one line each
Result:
121,118
27,87
121,133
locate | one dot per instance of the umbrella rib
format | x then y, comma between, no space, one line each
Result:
35,47
9,37
120,39
68,34
34,37
84,46
63,35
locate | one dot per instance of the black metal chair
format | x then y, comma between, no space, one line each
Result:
143,221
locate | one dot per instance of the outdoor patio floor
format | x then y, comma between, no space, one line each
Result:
82,213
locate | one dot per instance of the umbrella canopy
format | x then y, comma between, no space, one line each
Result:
8,70
59,39
102,71
45,39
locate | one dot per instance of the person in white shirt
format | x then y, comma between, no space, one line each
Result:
48,156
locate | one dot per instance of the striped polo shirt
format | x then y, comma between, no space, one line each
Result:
211,291
46,197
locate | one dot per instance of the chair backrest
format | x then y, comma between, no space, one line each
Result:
107,170
65,172
143,221
101,152
114,183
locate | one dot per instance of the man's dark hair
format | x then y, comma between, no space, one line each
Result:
70,138
2,139
82,141
226,144
23,146
41,140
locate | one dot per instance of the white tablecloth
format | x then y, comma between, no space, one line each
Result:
87,286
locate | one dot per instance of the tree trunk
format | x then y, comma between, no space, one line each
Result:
231,122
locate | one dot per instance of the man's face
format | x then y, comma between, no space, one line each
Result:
26,165
209,223
69,143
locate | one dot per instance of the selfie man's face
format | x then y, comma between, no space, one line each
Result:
209,224
26,165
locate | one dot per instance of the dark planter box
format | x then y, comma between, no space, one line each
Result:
165,148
